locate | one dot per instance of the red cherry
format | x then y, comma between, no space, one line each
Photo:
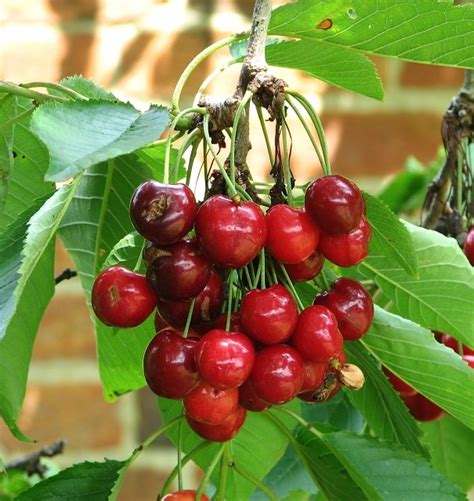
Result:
306,270
221,432
122,298
352,306
224,359
230,233
423,409
210,405
404,389
278,373
452,343
335,204
249,399
186,495
235,322
269,315
469,246
160,324
348,249
469,359
316,336
163,213
314,373
169,365
180,272
292,235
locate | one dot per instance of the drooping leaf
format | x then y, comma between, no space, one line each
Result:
418,31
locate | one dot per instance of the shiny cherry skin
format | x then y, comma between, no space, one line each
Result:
221,432
169,366
404,389
180,272
207,304
278,373
348,249
292,235
235,322
316,336
249,399
469,246
269,315
335,204
230,233
314,373
469,359
163,213
186,495
452,343
352,306
224,359
423,409
207,404
306,270
122,298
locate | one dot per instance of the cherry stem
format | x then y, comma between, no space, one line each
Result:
189,141
192,157
20,90
211,77
323,281
179,458
229,300
286,161
300,420
262,271
189,318
255,481
210,469
247,276
57,87
265,135
291,286
226,460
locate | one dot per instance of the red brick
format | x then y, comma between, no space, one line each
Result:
150,419
423,75
78,55
142,485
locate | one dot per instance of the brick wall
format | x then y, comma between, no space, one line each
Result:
138,49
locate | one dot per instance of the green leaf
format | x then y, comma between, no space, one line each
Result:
91,481
79,134
442,296
339,66
416,31
387,471
386,414
125,252
87,88
7,112
389,236
451,445
413,354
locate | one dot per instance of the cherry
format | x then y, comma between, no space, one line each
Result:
163,213
222,432
278,373
316,336
307,269
292,235
207,404
423,409
348,249
160,324
122,298
352,306
469,359
314,374
169,365
469,246
452,343
224,359
235,322
179,272
269,315
186,495
230,233
404,389
249,399
335,204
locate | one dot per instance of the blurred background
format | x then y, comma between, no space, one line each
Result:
138,49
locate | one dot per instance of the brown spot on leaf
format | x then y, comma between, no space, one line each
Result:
325,24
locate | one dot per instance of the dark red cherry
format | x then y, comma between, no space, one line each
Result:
169,365
180,272
221,432
348,249
278,373
314,373
235,322
335,204
404,389
469,359
352,306
122,298
230,233
186,495
306,270
249,399
210,405
316,336
423,409
163,213
269,315
292,235
224,359
469,246
453,343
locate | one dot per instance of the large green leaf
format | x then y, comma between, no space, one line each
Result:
451,445
91,481
413,354
427,31
79,134
442,296
7,112
335,65
87,88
